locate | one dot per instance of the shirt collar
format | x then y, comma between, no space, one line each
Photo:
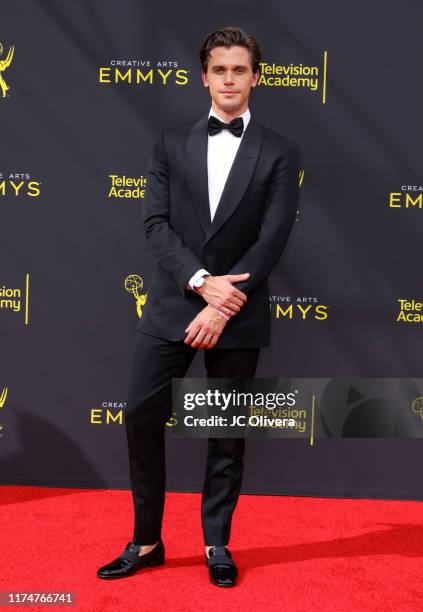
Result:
245,116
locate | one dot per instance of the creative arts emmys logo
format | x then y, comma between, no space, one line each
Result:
5,63
300,308
134,284
108,413
410,196
19,185
112,413
142,72
295,76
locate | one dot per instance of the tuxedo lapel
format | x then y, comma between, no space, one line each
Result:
239,176
196,171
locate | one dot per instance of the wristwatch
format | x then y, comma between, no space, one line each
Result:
199,282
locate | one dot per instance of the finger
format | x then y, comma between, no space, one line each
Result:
230,305
199,338
233,311
206,340
192,334
237,277
235,302
232,301
213,341
233,307
239,294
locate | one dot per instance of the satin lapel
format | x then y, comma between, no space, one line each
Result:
196,171
236,183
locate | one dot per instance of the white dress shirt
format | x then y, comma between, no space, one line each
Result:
221,151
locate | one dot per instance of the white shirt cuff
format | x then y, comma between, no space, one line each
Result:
195,277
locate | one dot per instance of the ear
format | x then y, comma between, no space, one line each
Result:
204,79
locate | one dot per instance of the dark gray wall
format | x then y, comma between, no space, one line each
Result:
350,252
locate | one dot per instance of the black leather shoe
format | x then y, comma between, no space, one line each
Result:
222,569
130,562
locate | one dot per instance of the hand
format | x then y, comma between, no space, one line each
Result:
205,329
219,292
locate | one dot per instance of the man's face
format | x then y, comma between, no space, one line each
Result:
230,77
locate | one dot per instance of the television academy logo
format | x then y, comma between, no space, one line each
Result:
410,311
301,180
3,396
4,64
16,299
126,187
295,76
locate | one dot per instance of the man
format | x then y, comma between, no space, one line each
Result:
221,199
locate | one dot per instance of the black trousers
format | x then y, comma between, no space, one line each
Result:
149,406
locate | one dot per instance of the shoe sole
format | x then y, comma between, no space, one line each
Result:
132,572
223,585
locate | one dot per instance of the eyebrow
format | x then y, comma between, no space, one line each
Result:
236,66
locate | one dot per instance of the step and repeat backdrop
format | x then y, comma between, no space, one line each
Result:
85,88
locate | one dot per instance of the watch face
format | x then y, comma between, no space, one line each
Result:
200,281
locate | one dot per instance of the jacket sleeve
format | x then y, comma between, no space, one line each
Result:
278,218
164,243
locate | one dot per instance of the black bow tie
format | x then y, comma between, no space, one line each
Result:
236,126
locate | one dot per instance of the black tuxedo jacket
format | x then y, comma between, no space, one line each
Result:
250,228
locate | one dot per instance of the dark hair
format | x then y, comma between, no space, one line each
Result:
227,37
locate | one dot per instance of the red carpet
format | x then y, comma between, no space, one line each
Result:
293,553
